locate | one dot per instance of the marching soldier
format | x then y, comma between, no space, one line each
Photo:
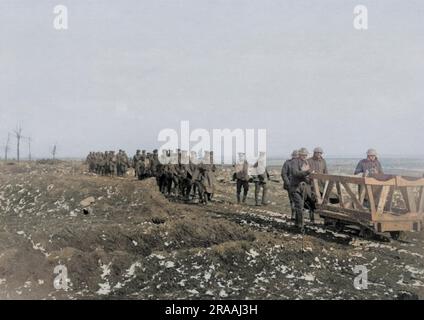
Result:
286,172
299,185
242,177
260,178
136,159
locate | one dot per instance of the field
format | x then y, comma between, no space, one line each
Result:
133,243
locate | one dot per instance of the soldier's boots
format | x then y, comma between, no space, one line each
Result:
257,196
299,219
311,216
293,212
238,198
264,195
244,198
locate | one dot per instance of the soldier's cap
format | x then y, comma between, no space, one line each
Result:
155,151
372,152
303,152
295,153
138,150
318,150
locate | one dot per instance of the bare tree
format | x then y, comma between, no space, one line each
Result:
6,147
18,135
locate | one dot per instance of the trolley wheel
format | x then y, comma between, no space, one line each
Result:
328,222
339,226
397,235
366,233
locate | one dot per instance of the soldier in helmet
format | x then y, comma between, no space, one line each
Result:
369,166
299,185
241,176
318,165
286,176
260,178
317,162
135,162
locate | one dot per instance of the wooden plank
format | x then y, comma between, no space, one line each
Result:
363,192
376,182
327,192
409,182
356,202
398,217
344,217
339,193
317,192
389,202
404,193
325,189
335,178
383,199
411,199
356,214
371,200
421,200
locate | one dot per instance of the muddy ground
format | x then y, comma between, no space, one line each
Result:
133,243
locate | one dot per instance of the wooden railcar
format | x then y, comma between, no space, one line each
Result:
377,204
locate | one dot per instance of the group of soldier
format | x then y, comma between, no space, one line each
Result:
183,175
176,173
258,174
108,163
296,181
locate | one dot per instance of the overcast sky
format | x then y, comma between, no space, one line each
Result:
124,70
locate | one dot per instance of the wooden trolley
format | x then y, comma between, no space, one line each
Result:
377,204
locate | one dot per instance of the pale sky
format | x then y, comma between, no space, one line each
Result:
124,70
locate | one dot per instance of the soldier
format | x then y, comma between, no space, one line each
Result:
192,169
112,163
91,161
103,163
318,165
260,178
299,185
209,175
186,175
156,168
317,162
125,163
369,166
119,163
242,177
147,166
135,163
200,178
286,176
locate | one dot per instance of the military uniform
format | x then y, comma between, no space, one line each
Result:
369,167
300,187
286,172
242,179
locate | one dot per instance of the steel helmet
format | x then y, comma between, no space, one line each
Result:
303,152
371,152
